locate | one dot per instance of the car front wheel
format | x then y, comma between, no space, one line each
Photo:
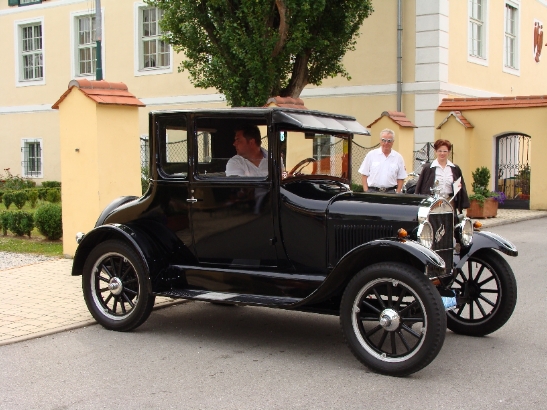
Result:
487,295
116,286
393,319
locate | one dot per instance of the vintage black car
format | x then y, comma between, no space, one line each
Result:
397,269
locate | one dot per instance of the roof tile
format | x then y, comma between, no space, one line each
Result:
459,117
286,102
102,92
396,116
462,104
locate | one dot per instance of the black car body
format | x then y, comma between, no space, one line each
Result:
396,268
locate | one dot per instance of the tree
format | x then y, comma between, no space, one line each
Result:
254,49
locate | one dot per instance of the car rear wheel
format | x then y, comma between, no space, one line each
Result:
116,286
487,292
393,319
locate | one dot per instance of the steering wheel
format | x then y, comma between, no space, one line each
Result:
300,165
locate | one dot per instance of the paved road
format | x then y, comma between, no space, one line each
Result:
203,356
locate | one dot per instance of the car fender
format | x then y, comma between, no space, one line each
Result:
381,250
156,245
113,206
485,240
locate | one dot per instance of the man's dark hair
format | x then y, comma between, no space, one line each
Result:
251,132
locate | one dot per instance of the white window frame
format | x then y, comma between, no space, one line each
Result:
74,46
514,70
139,70
483,59
24,159
19,25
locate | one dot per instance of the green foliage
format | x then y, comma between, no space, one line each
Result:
4,222
15,182
356,187
32,195
49,221
254,49
51,184
481,182
7,199
42,193
145,174
19,199
1,195
19,222
53,195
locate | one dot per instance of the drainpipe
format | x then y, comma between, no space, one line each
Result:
99,32
399,54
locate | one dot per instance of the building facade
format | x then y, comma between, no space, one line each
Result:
411,54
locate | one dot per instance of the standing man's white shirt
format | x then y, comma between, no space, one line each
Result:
239,166
382,171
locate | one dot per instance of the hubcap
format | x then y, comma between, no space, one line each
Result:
390,320
115,286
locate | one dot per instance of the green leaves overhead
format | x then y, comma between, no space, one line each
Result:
253,49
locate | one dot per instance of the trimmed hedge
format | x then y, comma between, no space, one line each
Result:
53,195
19,222
51,184
7,199
32,195
19,199
49,221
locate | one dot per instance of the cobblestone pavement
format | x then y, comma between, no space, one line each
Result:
41,297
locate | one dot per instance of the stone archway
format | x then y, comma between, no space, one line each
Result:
513,169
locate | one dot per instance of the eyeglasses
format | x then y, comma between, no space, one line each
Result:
443,152
386,141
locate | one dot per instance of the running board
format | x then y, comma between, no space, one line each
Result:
232,298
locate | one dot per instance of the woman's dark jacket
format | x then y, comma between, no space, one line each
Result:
427,179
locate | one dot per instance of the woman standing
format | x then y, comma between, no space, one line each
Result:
444,171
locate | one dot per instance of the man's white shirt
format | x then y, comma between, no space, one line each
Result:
382,171
239,166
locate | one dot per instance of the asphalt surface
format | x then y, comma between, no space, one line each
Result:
202,356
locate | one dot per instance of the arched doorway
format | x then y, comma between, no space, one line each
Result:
513,169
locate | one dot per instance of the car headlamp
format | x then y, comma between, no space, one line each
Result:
465,228
425,234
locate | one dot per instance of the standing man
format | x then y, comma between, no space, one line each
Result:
383,169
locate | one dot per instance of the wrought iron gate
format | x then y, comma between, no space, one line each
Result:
513,170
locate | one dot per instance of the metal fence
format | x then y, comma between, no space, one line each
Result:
358,155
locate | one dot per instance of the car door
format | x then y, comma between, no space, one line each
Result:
231,216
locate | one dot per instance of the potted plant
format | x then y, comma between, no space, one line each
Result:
483,202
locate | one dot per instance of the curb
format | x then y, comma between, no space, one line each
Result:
77,325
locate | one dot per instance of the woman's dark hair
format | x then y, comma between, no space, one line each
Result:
439,143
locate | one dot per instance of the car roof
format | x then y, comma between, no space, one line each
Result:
304,119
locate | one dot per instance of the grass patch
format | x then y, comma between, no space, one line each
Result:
37,244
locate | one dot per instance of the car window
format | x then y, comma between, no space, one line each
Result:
217,155
309,153
174,148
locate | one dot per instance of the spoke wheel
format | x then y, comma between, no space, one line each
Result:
487,292
116,288
393,319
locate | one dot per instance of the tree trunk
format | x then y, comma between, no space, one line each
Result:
299,77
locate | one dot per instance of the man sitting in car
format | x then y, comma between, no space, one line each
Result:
251,159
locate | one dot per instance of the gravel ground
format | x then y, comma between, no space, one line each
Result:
12,260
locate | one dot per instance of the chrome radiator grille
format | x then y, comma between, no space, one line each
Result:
443,232
348,237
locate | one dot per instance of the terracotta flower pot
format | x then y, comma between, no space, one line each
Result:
488,210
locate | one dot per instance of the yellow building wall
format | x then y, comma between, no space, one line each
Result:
100,159
481,143
531,78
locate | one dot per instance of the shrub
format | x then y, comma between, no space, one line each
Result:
53,195
16,182
481,182
7,199
1,194
21,222
32,195
51,184
42,193
4,221
19,199
49,221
